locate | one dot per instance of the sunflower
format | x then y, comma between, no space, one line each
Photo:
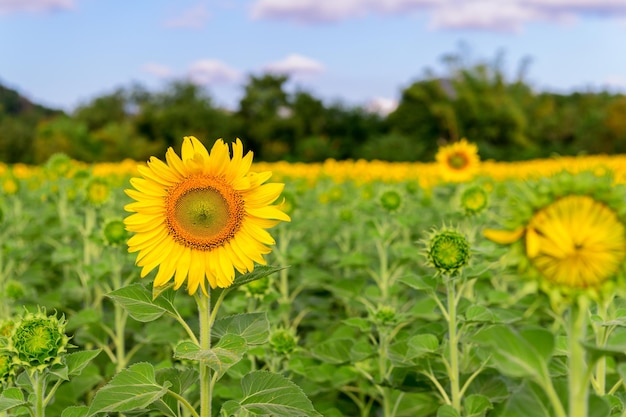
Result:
576,241
458,161
202,215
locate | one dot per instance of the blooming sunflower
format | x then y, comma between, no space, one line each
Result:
458,161
202,215
575,241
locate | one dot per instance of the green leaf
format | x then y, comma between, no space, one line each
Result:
476,405
335,351
180,380
516,356
423,283
526,402
77,361
598,406
266,393
131,389
76,411
83,317
406,353
137,301
226,353
479,313
359,322
260,271
11,398
254,328
447,411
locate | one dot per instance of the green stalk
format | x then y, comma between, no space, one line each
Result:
204,310
577,381
453,343
39,385
601,333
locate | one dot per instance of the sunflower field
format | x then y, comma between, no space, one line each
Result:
206,284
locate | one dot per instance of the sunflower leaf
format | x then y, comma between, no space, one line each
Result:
267,393
253,327
77,361
260,271
131,389
226,353
138,302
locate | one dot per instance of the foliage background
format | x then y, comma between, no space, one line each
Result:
506,118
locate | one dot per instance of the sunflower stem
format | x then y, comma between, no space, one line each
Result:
578,384
39,382
204,310
453,342
601,335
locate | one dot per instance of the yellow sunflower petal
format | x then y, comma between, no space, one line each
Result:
503,236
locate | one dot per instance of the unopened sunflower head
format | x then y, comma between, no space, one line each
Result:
37,341
571,235
97,191
114,232
474,199
283,341
7,368
202,215
448,251
391,200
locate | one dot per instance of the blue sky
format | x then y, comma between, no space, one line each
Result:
363,52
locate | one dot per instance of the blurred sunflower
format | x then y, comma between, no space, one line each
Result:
574,240
200,216
458,161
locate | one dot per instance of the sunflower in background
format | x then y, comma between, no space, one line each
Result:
201,216
459,161
569,232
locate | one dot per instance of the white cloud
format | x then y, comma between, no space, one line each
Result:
295,64
193,18
499,15
615,82
208,71
503,15
381,105
12,6
158,70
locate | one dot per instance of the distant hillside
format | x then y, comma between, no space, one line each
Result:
19,119
13,103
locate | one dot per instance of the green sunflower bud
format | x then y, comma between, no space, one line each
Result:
37,341
448,251
283,341
386,315
391,200
258,288
115,233
7,368
474,200
98,191
59,164
14,290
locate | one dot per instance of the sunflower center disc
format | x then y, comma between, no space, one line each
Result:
458,161
204,212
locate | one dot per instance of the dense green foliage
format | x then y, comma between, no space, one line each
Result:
506,118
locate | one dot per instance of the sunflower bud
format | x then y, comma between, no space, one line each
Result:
448,251
98,191
283,341
391,200
258,288
474,200
7,368
37,341
115,233
386,315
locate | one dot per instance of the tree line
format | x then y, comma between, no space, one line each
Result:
506,118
